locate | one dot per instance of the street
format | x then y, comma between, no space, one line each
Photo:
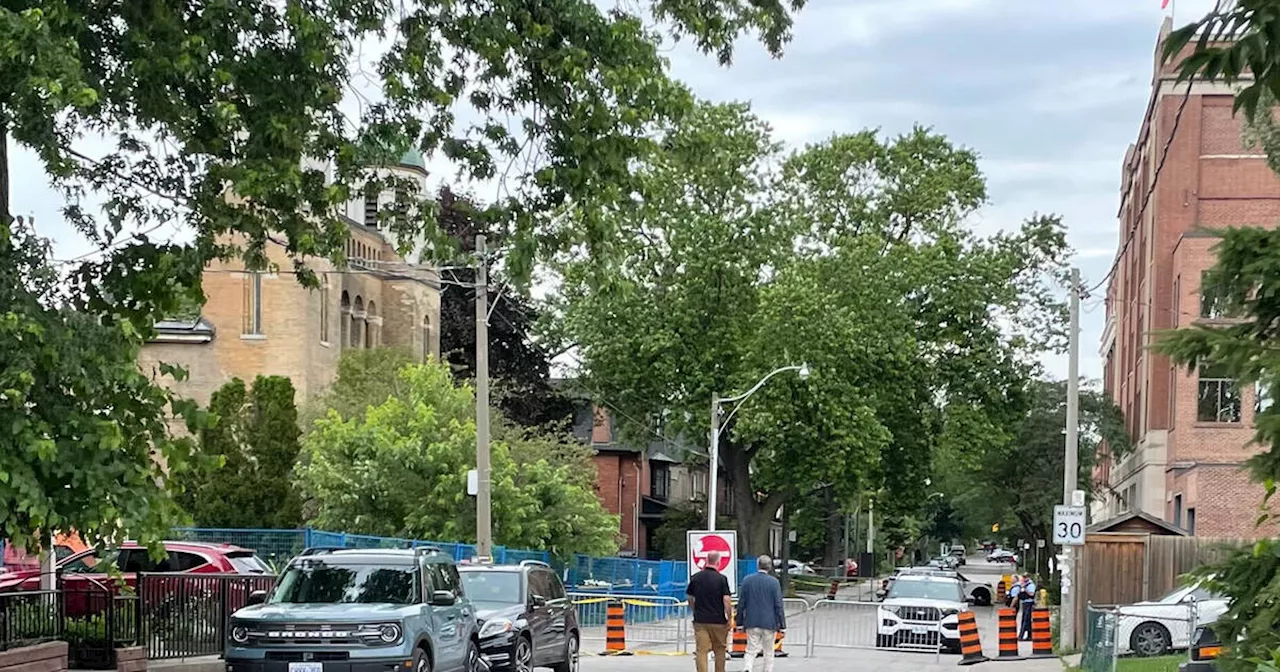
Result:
843,633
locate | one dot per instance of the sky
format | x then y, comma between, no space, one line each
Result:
1048,93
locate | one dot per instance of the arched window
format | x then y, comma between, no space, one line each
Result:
357,322
324,308
426,338
344,320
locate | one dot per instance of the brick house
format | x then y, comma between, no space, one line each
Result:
1191,431
636,481
266,323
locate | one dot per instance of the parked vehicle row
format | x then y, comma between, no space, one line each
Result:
414,610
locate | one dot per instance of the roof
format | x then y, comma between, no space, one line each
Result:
413,158
185,330
1137,521
371,555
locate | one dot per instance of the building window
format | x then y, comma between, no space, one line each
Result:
357,323
659,481
371,206
1262,398
324,308
344,320
1177,510
1191,521
371,324
252,323
1213,302
698,484
426,338
1219,396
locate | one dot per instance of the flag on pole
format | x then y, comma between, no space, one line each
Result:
1164,4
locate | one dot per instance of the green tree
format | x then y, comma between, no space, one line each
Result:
254,438
366,378
82,423
854,257
400,468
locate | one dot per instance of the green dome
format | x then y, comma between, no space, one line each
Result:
413,158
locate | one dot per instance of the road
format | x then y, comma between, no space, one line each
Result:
843,633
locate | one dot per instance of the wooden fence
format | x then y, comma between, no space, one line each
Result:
1125,567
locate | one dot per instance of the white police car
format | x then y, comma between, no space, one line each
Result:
918,610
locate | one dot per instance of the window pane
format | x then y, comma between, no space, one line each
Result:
1207,403
1214,371
1228,402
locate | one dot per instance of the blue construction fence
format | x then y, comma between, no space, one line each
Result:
586,574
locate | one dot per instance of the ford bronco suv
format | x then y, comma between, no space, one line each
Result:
358,610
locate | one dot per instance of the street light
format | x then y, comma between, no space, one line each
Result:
717,425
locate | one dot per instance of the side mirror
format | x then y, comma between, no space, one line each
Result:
256,597
443,598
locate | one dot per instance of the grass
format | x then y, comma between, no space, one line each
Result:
1162,664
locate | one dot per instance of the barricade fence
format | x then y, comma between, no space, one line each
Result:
1100,645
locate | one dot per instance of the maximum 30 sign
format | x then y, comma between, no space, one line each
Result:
1068,525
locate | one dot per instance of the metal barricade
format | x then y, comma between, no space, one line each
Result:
847,624
652,624
1100,648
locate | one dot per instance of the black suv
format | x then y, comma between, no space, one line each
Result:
526,620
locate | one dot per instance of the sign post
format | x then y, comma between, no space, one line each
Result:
703,543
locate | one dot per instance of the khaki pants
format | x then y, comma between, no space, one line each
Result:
759,642
710,638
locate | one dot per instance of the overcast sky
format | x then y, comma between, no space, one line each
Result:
1049,93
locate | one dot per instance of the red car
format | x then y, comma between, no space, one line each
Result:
87,570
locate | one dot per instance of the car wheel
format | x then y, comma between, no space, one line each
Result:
473,663
1150,639
421,661
522,656
571,655
982,597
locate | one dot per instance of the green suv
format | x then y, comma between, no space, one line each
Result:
358,610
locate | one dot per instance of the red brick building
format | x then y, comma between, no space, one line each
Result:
1191,430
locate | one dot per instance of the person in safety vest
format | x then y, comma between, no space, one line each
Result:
1015,587
1028,598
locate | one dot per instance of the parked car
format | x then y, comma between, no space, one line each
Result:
795,567
16,559
958,553
1205,650
525,618
359,610
919,610
1001,555
1158,627
979,593
90,568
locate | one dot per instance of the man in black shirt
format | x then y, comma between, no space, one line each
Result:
708,593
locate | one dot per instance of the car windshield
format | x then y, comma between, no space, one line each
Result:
323,583
90,563
928,590
1180,594
493,587
249,564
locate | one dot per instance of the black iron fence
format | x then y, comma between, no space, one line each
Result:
172,615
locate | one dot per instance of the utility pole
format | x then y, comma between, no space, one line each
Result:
871,527
484,495
1070,473
713,477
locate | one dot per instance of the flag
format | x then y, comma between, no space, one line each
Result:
1164,4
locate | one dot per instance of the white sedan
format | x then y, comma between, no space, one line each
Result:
1164,625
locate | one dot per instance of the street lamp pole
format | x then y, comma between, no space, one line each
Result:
717,425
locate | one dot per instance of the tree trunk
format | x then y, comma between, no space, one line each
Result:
833,553
754,517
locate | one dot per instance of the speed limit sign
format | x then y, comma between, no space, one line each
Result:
1068,525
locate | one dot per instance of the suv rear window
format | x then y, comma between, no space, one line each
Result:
248,564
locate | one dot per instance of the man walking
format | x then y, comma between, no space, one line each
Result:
760,612
709,601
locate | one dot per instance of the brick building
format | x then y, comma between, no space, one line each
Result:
1191,431
266,323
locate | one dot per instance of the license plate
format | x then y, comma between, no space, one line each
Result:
306,667
915,630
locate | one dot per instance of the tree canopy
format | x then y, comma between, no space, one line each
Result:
399,468
86,432
252,446
855,256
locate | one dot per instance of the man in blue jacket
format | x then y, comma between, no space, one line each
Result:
760,613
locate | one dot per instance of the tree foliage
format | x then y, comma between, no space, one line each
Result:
399,468
854,256
81,422
252,446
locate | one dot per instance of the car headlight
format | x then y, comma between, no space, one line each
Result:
239,634
949,611
496,626
389,633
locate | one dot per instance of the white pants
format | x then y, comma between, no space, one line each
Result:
759,641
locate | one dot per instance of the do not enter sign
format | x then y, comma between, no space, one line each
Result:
702,544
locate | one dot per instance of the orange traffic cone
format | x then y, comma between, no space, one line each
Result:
615,643
1041,634
777,645
970,644
739,648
